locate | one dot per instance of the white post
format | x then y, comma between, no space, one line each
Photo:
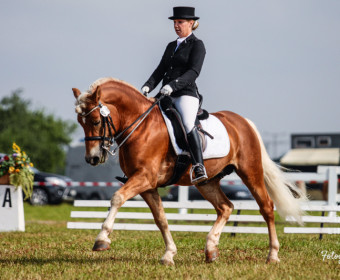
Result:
331,172
11,209
332,185
183,196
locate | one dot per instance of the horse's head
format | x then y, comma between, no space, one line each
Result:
90,114
124,103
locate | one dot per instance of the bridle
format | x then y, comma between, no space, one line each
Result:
108,141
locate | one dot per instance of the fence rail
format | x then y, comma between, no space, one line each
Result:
210,218
326,174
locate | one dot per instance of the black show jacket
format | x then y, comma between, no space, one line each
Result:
181,68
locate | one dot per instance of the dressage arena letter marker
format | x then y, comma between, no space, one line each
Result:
7,198
11,209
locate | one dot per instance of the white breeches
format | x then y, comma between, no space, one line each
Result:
187,106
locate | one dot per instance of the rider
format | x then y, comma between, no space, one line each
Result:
179,67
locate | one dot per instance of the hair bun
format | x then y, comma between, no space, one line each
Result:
195,25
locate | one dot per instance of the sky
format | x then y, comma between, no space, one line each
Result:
276,62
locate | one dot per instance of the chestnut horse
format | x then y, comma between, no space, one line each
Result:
148,159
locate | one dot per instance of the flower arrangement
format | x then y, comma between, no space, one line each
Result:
17,167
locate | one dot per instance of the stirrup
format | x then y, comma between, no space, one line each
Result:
123,180
200,178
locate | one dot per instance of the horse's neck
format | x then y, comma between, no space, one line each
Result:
128,103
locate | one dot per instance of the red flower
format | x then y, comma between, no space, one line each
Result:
6,158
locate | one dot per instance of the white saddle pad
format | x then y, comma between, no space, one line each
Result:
216,148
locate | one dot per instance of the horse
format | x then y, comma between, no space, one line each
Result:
147,158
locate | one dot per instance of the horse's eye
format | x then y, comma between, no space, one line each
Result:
95,123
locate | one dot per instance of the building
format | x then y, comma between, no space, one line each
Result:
310,150
79,170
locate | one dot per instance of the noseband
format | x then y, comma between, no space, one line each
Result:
108,141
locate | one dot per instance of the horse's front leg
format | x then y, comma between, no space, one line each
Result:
135,185
154,201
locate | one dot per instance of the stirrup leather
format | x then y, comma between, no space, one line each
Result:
200,178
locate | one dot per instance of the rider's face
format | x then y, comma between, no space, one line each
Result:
183,27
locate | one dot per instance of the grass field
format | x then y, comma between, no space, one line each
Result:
47,250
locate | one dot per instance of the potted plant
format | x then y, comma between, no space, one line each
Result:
15,170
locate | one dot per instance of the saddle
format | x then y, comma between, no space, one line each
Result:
182,161
176,120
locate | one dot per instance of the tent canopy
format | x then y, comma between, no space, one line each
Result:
309,157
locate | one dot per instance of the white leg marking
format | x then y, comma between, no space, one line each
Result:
107,227
170,249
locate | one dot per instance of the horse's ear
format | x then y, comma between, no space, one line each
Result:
96,95
76,92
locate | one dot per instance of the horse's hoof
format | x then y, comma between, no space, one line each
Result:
211,256
272,260
101,246
167,262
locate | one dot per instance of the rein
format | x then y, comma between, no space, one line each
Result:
106,118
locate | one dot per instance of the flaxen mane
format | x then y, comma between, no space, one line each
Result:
102,81
82,99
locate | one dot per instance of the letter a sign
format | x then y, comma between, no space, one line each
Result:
11,209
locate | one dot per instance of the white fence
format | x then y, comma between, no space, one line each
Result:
187,219
324,174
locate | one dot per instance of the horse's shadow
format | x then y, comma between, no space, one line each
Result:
89,260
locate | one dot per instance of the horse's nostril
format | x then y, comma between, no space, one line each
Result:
95,160
92,160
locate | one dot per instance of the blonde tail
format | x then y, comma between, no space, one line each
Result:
280,189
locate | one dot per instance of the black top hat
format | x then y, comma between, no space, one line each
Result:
184,13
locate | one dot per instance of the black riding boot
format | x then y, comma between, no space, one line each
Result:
196,157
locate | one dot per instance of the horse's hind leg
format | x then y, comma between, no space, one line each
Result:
213,193
154,201
255,183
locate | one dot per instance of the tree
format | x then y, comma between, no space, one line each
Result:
41,135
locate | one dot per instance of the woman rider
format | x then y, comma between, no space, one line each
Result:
179,67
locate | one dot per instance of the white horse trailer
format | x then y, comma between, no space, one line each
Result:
79,170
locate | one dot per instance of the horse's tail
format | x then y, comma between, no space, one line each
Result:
284,193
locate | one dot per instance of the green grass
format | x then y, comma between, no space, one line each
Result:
47,250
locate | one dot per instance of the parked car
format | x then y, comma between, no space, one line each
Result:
48,188
89,193
233,192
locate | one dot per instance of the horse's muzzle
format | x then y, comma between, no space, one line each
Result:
97,159
92,160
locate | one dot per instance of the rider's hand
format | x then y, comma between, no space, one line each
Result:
166,90
145,90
